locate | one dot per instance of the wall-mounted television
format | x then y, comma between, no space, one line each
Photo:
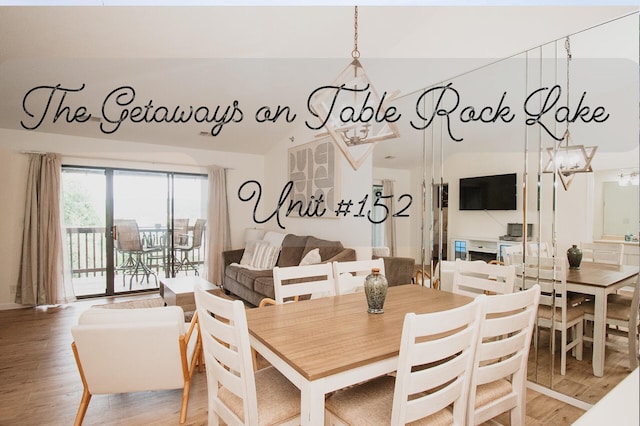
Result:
496,192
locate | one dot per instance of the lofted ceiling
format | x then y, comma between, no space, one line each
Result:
265,56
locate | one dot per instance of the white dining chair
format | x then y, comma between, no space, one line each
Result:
477,277
622,320
443,275
609,253
434,372
289,283
538,248
509,251
498,382
555,311
349,276
236,394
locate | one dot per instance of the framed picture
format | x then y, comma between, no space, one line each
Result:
314,169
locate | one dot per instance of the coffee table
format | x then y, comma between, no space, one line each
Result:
179,291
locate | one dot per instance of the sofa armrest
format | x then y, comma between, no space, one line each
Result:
345,255
398,270
232,256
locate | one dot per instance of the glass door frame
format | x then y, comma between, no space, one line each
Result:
110,250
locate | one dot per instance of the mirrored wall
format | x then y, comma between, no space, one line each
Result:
502,122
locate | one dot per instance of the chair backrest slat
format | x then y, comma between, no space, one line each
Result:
609,253
478,277
309,280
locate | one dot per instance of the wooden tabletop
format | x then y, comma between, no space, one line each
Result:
325,336
600,274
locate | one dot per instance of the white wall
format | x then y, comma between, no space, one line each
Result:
353,232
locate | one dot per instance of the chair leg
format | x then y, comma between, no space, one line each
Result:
82,410
563,350
579,335
185,401
633,347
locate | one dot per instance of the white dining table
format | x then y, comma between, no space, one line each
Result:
600,280
326,344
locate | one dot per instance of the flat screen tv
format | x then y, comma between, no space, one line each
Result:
497,192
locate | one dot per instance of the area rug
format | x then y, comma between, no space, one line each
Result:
151,302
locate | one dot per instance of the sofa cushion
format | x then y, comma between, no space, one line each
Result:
231,271
265,255
292,250
328,249
247,277
264,285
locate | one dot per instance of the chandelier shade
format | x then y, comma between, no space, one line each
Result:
567,159
352,112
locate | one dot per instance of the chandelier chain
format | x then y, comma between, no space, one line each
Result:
567,47
355,54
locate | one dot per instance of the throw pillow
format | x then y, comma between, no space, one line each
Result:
249,250
265,255
311,258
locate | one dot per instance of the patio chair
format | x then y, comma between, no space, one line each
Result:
133,350
499,378
433,375
129,242
349,276
237,394
191,243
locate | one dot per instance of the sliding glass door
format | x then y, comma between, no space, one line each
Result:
127,229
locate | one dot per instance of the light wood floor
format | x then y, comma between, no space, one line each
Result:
40,384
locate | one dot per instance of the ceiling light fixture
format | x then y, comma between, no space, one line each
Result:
565,158
626,179
348,108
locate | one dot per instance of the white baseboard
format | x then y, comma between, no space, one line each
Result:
559,396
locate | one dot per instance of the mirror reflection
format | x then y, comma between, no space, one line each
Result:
582,358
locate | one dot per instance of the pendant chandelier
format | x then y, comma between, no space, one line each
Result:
348,108
565,158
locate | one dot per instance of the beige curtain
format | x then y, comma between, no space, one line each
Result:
389,224
41,279
219,230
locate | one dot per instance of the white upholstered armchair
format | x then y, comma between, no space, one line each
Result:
132,350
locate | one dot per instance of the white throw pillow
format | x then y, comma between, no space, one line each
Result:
311,258
265,255
249,250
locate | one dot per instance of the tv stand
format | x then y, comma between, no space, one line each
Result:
477,248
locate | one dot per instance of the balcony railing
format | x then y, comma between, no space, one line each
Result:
86,254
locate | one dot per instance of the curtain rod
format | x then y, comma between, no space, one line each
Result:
154,163
516,54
